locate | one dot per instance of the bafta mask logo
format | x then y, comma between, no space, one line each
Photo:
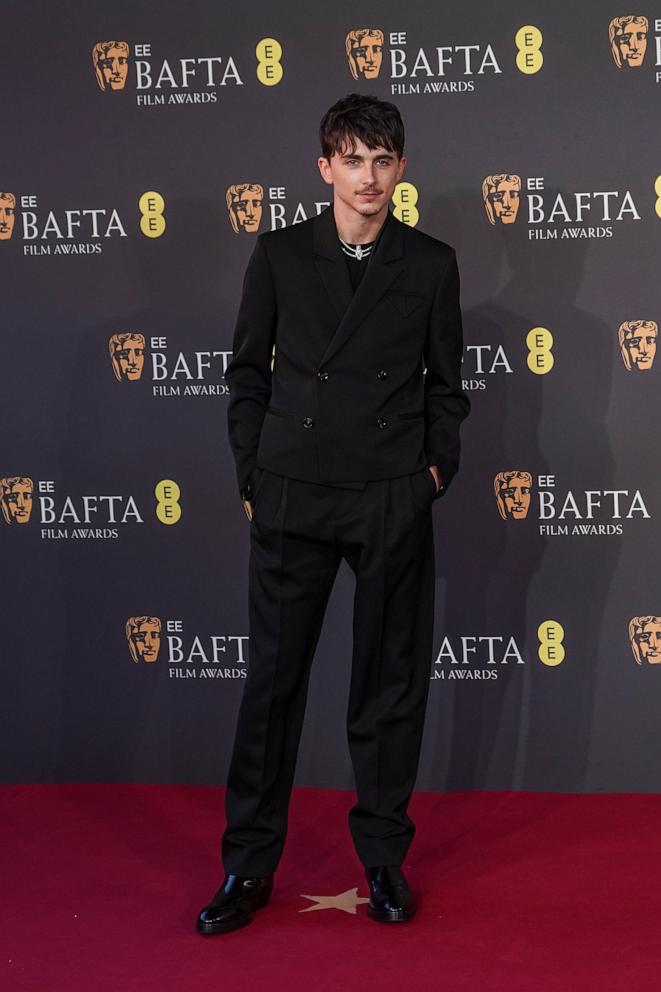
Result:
16,499
501,196
7,207
637,339
244,205
111,64
144,637
645,640
364,51
628,39
513,491
127,354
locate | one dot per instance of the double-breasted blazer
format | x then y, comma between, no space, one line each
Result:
328,385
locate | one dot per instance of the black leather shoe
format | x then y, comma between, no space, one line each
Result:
233,903
391,900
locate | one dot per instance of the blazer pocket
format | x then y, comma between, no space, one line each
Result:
410,414
404,303
277,412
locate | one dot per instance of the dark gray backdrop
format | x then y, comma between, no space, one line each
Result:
77,707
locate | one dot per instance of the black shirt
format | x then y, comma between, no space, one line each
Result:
357,266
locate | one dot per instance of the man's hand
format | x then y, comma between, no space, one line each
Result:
247,506
437,478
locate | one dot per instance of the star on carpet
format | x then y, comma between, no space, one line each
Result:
346,901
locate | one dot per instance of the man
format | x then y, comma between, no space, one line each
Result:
341,445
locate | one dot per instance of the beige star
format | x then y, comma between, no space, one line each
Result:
346,901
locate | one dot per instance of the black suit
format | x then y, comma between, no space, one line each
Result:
347,398
332,434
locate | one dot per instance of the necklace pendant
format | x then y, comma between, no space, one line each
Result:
359,252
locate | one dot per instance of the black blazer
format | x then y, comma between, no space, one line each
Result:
327,385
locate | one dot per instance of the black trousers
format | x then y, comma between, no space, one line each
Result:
298,536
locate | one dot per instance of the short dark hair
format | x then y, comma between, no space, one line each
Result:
375,122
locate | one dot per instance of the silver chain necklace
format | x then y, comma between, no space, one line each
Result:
356,251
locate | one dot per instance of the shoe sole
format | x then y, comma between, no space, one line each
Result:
209,929
391,915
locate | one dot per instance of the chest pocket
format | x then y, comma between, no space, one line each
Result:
404,303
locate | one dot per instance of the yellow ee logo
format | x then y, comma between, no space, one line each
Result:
167,495
152,221
551,634
529,58
540,357
269,53
657,190
405,197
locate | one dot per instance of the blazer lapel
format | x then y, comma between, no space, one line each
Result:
382,269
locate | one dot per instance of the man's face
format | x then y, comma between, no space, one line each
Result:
354,173
130,358
632,44
6,219
248,209
146,641
367,56
515,498
505,201
17,503
641,347
648,639
114,66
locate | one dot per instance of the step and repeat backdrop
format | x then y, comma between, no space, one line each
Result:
144,147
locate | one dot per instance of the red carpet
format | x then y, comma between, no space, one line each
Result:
101,885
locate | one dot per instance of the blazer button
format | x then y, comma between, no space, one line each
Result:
382,374
322,375
307,422
382,423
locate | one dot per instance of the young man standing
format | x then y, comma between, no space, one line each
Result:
344,414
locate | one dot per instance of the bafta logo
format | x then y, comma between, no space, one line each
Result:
501,196
628,40
16,499
645,640
111,64
144,638
637,340
244,205
513,490
7,207
127,354
364,51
